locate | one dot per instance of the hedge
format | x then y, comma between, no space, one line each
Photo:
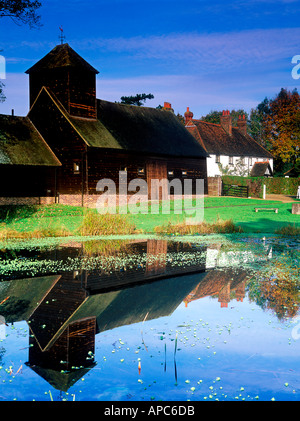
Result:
274,185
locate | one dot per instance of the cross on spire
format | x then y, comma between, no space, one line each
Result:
62,37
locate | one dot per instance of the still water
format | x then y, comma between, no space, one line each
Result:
147,319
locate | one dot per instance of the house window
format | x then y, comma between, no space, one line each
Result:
231,160
171,173
141,171
184,173
123,168
76,168
217,159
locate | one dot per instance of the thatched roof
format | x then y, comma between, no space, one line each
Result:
61,56
21,143
129,128
94,133
148,130
60,380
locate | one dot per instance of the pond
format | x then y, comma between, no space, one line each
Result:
199,318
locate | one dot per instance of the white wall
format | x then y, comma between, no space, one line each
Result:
213,168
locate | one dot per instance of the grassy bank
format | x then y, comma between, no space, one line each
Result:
218,227
220,214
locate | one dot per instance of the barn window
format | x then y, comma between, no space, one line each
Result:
141,171
76,168
217,159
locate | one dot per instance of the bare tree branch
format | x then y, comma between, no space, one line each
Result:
21,12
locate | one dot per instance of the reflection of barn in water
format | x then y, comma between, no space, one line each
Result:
66,311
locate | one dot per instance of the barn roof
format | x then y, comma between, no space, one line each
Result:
132,129
61,56
148,130
217,141
21,143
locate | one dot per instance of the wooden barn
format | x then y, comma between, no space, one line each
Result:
91,139
27,164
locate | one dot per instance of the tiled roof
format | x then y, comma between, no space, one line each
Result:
218,142
259,169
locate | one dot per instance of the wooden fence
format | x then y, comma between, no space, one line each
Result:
234,190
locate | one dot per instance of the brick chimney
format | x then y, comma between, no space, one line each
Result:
188,115
242,124
168,107
226,121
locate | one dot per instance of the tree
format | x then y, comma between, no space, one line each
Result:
240,168
256,126
138,99
180,118
214,116
21,11
282,126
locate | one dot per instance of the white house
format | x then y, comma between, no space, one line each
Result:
231,150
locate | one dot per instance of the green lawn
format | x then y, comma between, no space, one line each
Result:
29,218
241,211
251,221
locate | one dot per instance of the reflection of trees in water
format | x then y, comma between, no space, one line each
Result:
14,308
277,288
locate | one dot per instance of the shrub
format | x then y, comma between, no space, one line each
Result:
95,224
7,233
288,230
220,227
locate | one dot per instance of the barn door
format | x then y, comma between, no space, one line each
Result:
157,180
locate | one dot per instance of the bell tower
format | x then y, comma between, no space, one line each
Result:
69,78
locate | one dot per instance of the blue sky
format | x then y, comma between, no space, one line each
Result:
197,53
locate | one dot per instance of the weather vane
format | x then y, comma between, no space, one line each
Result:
62,37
